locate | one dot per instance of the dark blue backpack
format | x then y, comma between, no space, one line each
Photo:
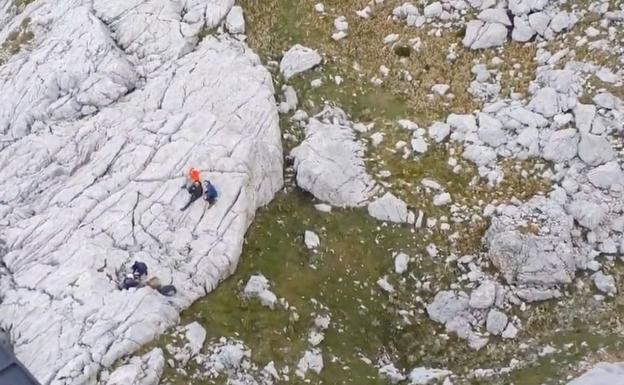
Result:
210,192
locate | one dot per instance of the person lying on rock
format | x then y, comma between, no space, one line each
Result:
194,189
139,269
210,194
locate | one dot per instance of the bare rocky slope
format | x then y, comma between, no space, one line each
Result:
100,118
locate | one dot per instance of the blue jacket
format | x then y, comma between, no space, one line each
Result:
210,191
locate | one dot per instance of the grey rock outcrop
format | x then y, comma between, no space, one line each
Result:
601,374
109,141
329,162
532,244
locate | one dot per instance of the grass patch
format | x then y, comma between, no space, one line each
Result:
17,38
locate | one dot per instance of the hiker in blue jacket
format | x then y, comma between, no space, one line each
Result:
210,193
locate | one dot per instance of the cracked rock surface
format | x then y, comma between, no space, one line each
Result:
100,120
329,162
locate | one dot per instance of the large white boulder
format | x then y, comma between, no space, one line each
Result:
106,111
144,370
299,59
330,161
390,208
481,34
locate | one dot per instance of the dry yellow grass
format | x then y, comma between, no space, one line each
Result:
410,78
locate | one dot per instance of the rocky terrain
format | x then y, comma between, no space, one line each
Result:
440,188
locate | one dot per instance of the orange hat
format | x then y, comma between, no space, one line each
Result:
194,174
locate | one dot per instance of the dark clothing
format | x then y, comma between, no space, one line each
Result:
211,193
167,290
128,283
139,269
196,191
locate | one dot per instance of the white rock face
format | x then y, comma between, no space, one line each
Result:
111,141
602,373
329,162
299,59
144,370
389,208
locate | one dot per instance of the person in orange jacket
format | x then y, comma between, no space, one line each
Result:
195,188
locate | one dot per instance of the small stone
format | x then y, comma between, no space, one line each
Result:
605,283
385,285
389,208
391,373
419,145
592,32
480,35
442,199
438,131
319,7
341,24
495,15
337,36
298,59
483,297
392,38
316,83
323,207
315,338
496,322
312,240
510,331
424,376
400,263
377,138
433,10
195,335
595,150
440,89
